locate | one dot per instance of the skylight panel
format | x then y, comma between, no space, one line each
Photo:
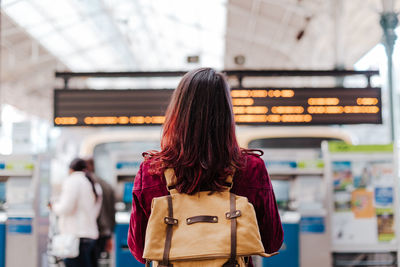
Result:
83,34
138,34
79,62
103,57
23,13
56,10
58,45
41,30
121,9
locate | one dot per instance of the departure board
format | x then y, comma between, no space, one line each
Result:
253,106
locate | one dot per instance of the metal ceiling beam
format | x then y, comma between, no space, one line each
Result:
244,73
239,74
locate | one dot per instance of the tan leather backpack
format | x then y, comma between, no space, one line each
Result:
204,229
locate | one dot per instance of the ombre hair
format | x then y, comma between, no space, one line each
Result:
199,140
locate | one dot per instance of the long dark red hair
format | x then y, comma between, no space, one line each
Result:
199,140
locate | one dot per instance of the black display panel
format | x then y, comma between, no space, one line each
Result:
257,106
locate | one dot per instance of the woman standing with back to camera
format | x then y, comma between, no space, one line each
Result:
199,143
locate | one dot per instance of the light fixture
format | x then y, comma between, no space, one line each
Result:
239,60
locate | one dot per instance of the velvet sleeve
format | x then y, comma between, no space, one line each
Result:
268,217
269,222
138,220
145,188
255,184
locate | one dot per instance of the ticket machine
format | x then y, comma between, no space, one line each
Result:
294,161
125,168
18,185
297,178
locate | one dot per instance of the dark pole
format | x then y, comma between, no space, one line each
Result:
389,23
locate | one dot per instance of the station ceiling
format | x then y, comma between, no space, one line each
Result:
301,34
41,36
125,34
27,71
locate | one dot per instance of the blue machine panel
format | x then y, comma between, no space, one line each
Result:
123,256
2,245
2,192
17,225
127,164
289,255
127,198
312,224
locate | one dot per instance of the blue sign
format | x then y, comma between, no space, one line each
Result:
384,196
2,165
312,224
2,244
289,254
17,225
128,187
281,164
127,164
123,256
2,192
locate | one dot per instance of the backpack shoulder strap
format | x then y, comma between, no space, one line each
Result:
229,180
170,178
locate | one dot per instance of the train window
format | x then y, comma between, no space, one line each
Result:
290,142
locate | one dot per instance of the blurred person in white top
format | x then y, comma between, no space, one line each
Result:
78,208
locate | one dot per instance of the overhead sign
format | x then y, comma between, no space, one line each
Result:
258,106
306,106
110,107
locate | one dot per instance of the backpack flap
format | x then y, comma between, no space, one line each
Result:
205,226
205,238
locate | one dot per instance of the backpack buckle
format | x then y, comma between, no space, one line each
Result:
234,214
170,220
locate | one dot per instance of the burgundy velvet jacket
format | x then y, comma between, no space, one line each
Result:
252,182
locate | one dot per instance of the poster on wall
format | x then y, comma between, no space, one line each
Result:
363,202
385,213
385,219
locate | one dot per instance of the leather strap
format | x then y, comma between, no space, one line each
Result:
170,178
233,228
168,238
202,218
232,260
